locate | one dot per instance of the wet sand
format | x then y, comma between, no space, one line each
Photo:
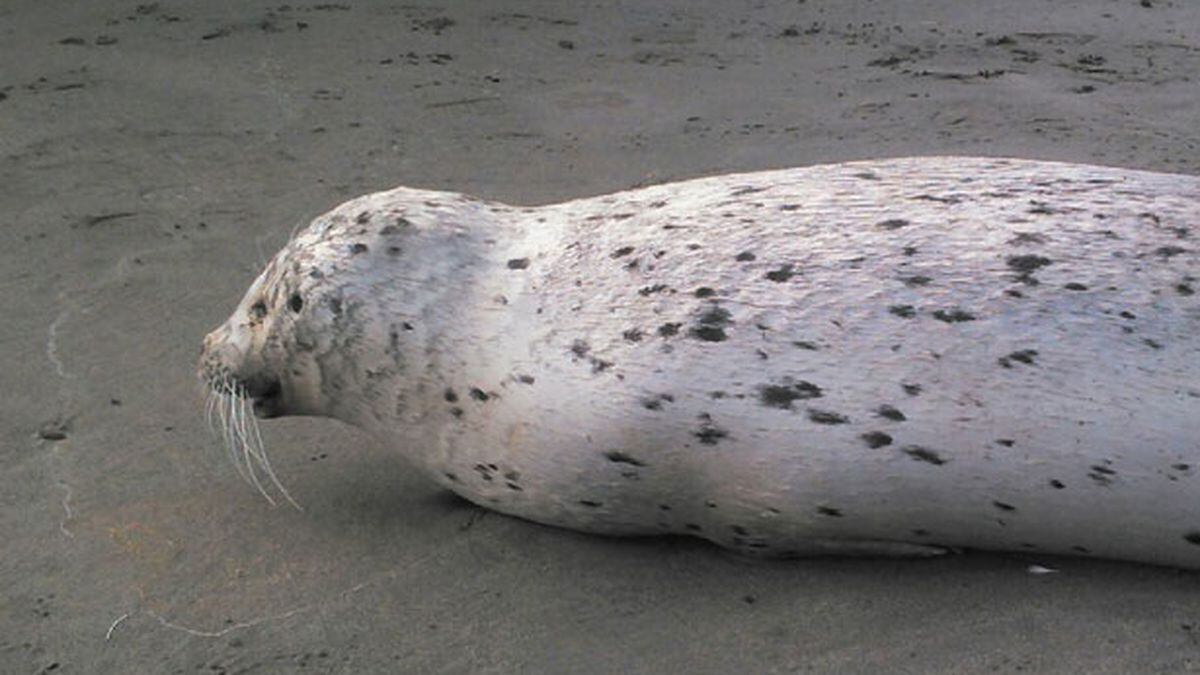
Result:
153,155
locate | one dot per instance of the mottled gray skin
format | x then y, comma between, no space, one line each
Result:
885,357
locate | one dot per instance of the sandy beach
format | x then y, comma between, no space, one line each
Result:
154,155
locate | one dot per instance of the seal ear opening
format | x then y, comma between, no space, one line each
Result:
296,303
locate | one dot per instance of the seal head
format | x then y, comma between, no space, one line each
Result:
346,308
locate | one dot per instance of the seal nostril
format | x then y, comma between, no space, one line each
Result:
296,303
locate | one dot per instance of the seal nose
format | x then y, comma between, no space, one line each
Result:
213,338
210,351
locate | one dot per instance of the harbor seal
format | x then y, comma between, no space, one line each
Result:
892,357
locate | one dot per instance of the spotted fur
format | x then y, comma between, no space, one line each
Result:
886,357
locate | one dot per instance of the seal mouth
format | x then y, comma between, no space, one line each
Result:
268,401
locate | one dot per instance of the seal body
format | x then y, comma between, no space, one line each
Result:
882,357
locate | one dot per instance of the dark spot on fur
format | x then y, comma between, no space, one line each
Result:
1151,343
692,527
1168,252
363,218
789,207
1125,314
923,454
355,249
394,250
632,335
953,315
513,486
709,433
580,348
952,199
876,439
909,250
651,290
1004,507
785,272
618,457
479,394
916,280
450,476
1025,265
891,412
710,324
1075,286
828,511
826,417
893,224
450,396
747,190
652,403
1006,442
669,329
1181,466
911,389
456,411
704,292
518,263
903,311
744,256
296,303
919,533
1027,238
590,504
1056,484
1101,474
739,530
1184,289
1025,356
1192,538
623,251
805,344
525,379
782,395
707,333
1081,549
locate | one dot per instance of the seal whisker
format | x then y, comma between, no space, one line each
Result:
265,462
240,434
243,440
228,424
210,408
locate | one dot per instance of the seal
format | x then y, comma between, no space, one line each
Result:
892,357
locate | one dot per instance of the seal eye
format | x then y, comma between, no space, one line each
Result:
296,303
258,310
